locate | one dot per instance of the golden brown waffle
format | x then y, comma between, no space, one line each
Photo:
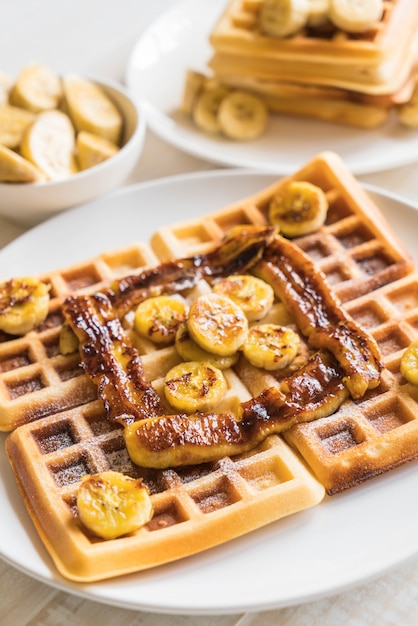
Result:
380,431
202,506
356,248
195,508
376,62
35,379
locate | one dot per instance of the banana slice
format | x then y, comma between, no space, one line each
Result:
111,504
90,109
270,346
14,121
409,363
253,295
217,324
205,111
23,305
68,341
92,149
193,87
189,350
16,169
353,16
194,386
281,18
36,89
158,319
6,83
242,116
298,209
318,13
50,145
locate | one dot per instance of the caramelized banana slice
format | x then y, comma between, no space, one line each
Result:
189,350
217,324
270,346
23,305
409,363
111,504
194,386
298,209
253,295
158,319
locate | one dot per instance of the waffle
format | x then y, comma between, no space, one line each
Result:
35,379
379,432
375,62
195,507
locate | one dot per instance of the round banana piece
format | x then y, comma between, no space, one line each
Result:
193,87
194,386
111,504
92,149
270,346
13,124
50,145
91,109
353,16
298,209
36,89
409,363
282,18
253,295
23,305
242,116
158,318
16,169
217,324
189,350
205,111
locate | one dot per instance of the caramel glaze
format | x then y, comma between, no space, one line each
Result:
109,359
237,253
319,316
314,391
348,360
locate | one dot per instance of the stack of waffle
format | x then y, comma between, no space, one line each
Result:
320,72
60,431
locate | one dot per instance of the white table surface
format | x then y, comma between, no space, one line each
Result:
96,37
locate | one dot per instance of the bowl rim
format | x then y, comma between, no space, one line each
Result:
137,135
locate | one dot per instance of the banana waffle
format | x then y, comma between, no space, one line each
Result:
35,379
69,435
375,62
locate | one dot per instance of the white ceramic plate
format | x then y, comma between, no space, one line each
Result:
178,41
348,539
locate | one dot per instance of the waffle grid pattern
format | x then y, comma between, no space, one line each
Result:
196,508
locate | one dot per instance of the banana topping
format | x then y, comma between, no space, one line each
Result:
205,110
281,18
298,209
354,16
23,305
194,386
409,363
253,295
111,504
158,318
217,324
270,346
189,350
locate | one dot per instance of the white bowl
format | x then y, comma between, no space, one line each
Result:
30,203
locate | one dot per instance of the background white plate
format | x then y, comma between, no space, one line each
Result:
178,41
346,540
